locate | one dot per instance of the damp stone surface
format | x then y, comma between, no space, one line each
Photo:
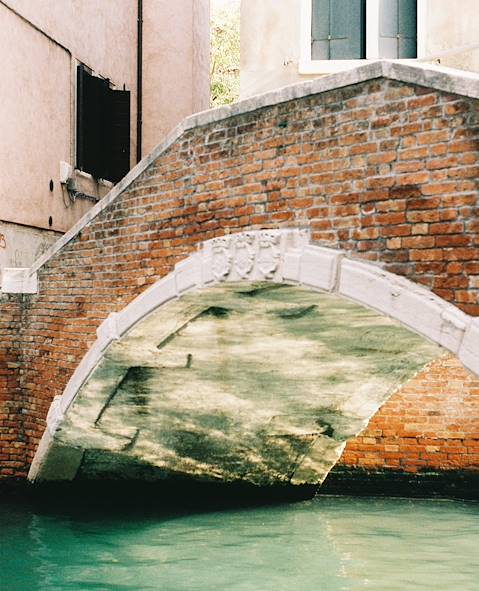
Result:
257,383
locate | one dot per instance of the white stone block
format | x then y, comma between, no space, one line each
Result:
319,267
82,372
156,295
54,461
108,330
292,265
42,451
206,269
188,273
19,281
366,285
55,415
418,310
410,304
469,351
454,323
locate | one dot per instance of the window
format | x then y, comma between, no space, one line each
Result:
335,32
103,127
338,29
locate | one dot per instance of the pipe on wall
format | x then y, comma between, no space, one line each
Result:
139,80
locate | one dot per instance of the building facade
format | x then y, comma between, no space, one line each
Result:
88,89
303,39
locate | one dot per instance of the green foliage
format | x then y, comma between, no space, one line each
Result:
225,55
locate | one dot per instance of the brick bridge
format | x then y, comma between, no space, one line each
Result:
358,189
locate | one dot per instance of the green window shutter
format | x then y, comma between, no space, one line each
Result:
388,28
320,30
398,29
407,28
338,29
348,20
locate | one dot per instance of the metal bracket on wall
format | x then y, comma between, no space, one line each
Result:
74,194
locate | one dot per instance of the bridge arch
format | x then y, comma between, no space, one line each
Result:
267,257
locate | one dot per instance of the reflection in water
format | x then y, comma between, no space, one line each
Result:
330,544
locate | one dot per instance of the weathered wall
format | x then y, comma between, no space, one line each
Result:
101,35
448,29
176,56
21,246
42,43
38,100
270,45
383,169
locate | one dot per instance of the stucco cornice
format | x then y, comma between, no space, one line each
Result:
434,77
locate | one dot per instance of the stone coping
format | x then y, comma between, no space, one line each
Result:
439,78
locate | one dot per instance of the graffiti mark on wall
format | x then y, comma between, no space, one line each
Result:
18,258
3,242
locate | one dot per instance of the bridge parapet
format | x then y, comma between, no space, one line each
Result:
379,163
276,256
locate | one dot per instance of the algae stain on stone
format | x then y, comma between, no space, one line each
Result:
216,311
262,290
261,384
294,313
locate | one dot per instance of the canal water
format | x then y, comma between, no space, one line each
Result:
327,544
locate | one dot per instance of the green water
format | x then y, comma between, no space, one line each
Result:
327,544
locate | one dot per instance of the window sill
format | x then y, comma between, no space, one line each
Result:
333,66
87,175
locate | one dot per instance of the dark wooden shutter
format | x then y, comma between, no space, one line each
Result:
91,108
103,127
119,152
338,29
398,29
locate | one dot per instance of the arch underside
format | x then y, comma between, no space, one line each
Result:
255,382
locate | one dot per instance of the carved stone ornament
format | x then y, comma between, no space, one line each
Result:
269,254
244,254
222,258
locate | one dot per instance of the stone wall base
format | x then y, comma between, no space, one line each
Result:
450,484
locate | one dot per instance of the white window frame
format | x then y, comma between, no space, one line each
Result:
309,66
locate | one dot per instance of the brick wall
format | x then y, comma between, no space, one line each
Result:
12,436
383,169
430,424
